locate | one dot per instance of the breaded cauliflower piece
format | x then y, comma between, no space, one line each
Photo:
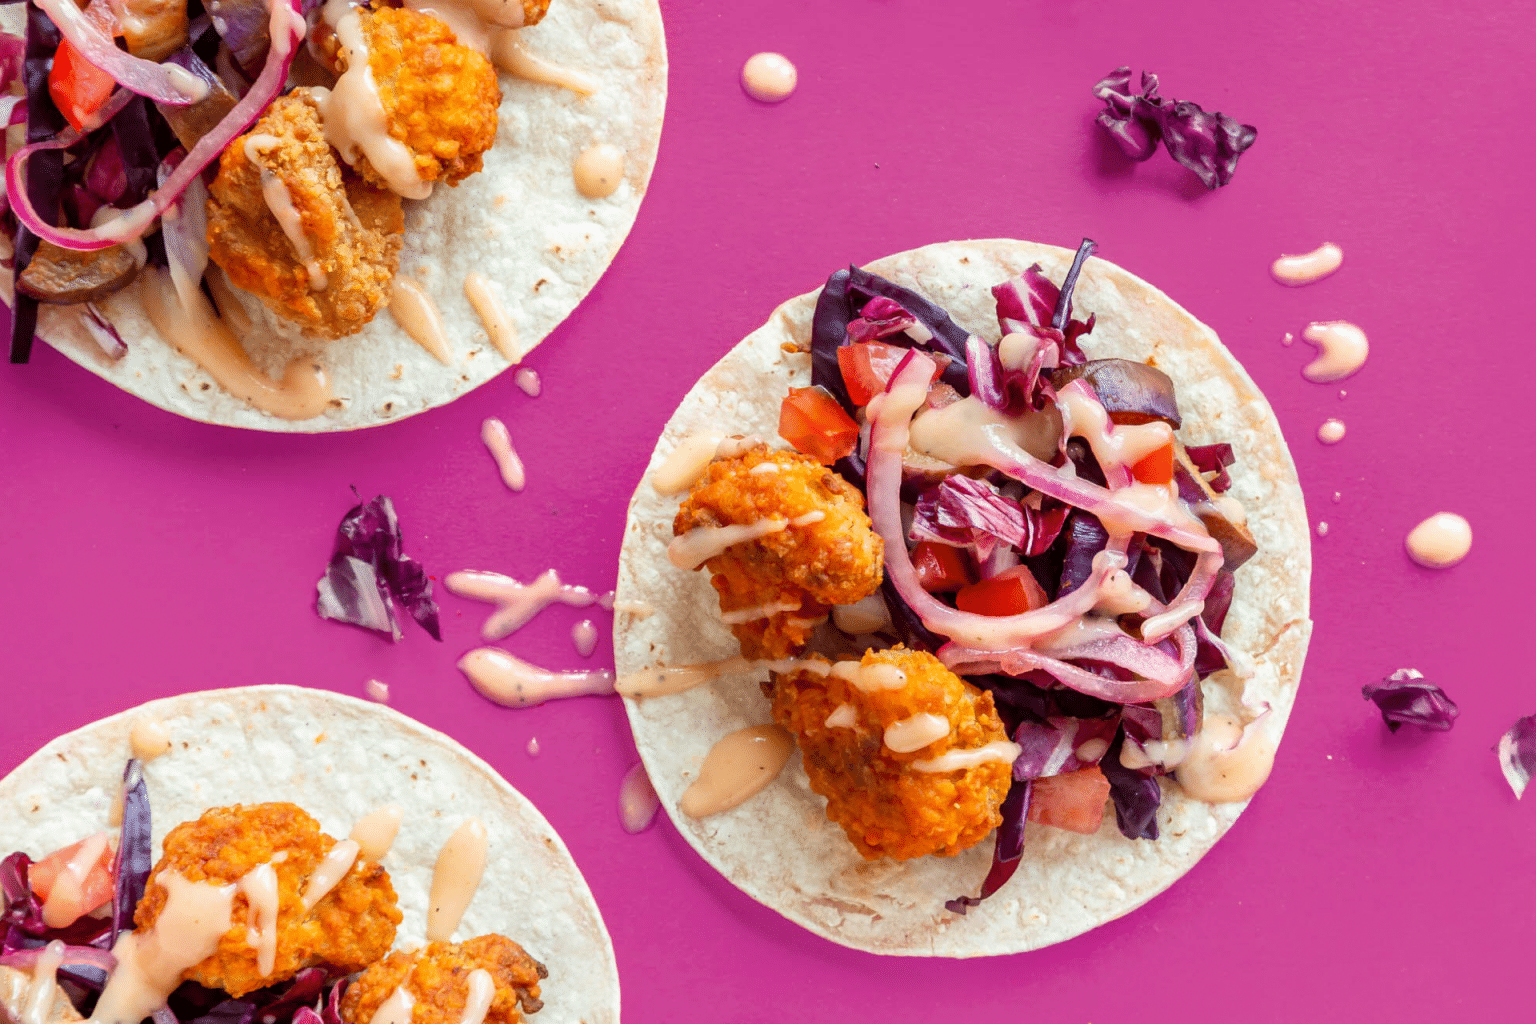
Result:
354,230
533,10
437,977
888,808
787,580
439,98
350,928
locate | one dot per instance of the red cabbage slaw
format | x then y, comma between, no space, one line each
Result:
310,997
1111,684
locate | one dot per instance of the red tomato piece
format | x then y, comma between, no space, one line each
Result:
1156,468
78,87
941,569
812,421
96,884
868,367
1074,801
1011,592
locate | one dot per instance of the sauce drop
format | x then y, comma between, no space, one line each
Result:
638,802
417,315
685,464
737,768
769,77
482,989
498,325
499,443
514,683
915,733
599,171
1307,267
533,746
1331,432
1440,541
397,1009
375,832
377,691
509,54
528,380
584,636
1322,529
455,877
1342,348
331,870
149,739
65,903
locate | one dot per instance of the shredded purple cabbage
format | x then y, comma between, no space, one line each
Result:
1060,745
135,855
1135,793
1517,754
1407,698
369,572
965,512
1008,850
1207,142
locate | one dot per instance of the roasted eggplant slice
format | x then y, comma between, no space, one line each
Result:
1130,392
64,277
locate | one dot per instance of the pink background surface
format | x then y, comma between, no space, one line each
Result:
1376,877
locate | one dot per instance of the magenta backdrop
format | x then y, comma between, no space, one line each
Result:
1375,877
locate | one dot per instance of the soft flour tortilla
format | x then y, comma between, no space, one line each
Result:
338,758
778,847
520,222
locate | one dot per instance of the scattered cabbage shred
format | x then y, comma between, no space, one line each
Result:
1517,754
369,571
1207,142
1407,698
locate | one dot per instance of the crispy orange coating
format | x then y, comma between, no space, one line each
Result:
439,98
802,569
354,229
888,808
350,928
437,977
534,11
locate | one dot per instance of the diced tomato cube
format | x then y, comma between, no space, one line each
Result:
868,366
95,884
77,86
1156,468
1074,801
1011,592
812,421
941,569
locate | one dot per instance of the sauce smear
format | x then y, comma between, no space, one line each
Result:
149,739
638,802
1342,348
498,325
737,768
516,602
1307,267
375,832
514,683
499,443
455,877
417,315
1440,541
528,380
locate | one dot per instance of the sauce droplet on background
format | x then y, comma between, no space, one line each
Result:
499,443
528,380
769,77
1342,348
1331,432
584,636
1322,529
377,691
1307,267
533,747
1440,541
638,802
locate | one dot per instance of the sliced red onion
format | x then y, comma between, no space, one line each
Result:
103,333
184,227
287,28
1517,754
160,82
968,661
74,956
13,52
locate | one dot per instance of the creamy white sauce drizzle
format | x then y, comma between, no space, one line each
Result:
685,464
482,989
259,887
1342,350
950,434
149,739
1114,445
736,768
660,682
867,616
509,54
528,380
516,603
280,203
1331,431
66,900
455,877
37,1003
692,549
396,1009
769,77
1227,761
514,683
1440,541
584,637
352,112
1307,267
638,802
150,963
375,832
762,611
498,325
330,871
499,443
998,751
638,609
916,732
1119,595
877,675
417,315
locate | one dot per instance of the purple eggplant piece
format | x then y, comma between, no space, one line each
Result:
1130,392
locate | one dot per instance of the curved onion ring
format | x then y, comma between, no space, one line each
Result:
1164,675
287,29
85,33
74,956
887,441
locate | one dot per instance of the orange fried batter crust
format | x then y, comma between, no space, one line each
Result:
439,98
887,808
355,229
808,568
353,926
534,11
438,978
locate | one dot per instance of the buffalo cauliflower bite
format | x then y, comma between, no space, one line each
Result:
350,928
437,977
439,97
887,807
782,584
353,229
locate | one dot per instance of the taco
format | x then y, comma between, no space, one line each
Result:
1037,553
375,174
245,802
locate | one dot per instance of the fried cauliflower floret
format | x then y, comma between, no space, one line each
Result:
439,98
437,978
353,230
783,583
350,928
533,10
887,807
